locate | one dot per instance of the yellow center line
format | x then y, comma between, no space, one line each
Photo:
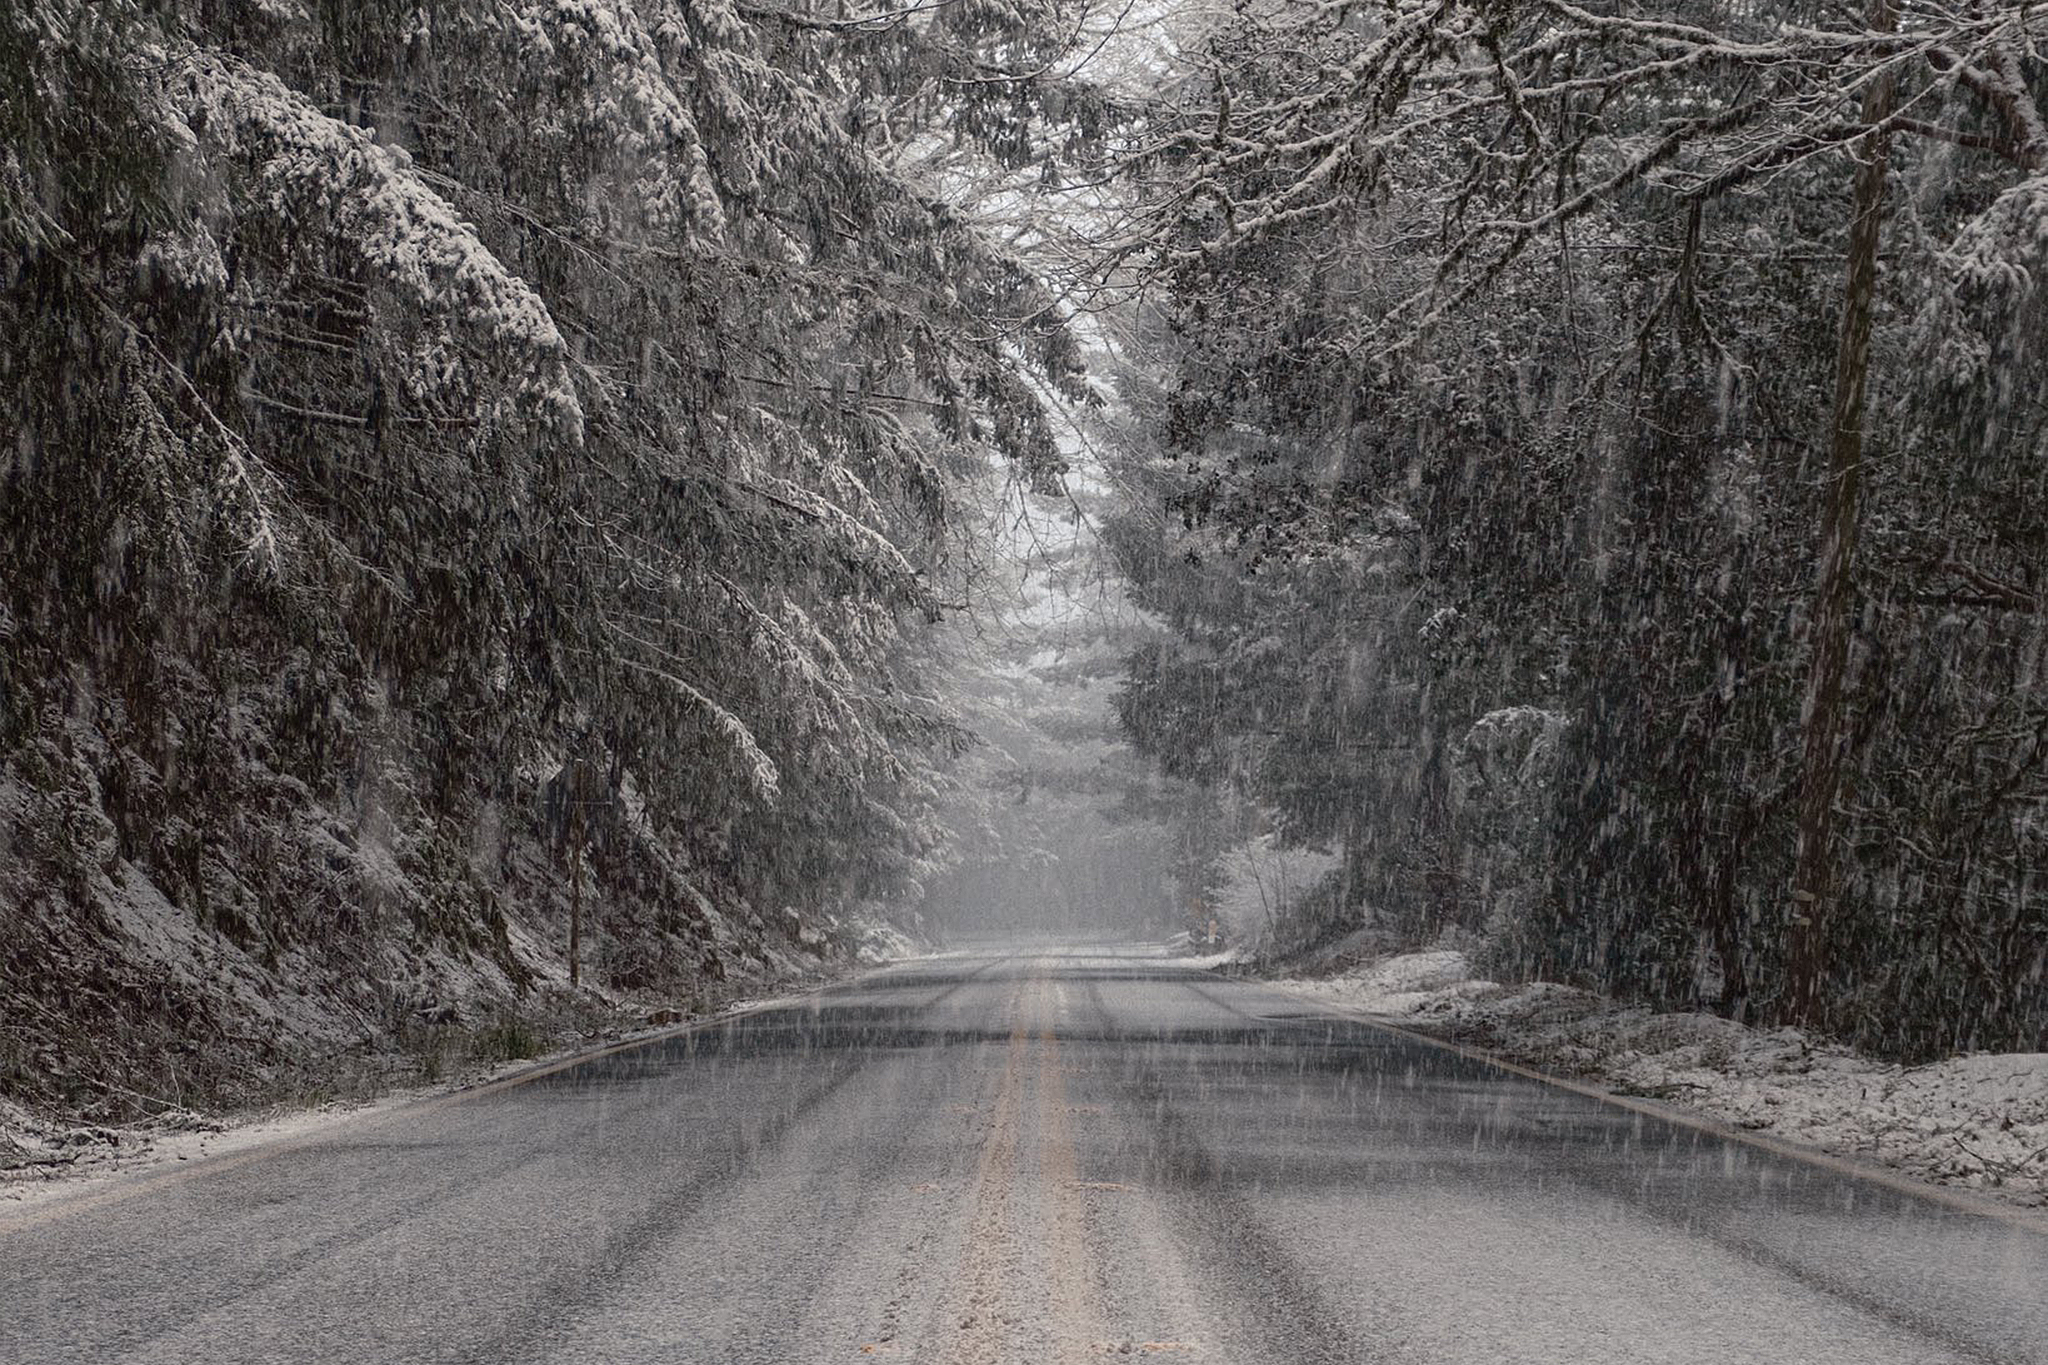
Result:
979,1301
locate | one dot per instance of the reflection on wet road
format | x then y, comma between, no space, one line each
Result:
1032,1154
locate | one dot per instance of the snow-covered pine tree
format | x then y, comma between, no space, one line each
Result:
453,397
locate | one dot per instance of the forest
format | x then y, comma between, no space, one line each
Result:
600,501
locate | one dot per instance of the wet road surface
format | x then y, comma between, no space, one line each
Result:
1042,1155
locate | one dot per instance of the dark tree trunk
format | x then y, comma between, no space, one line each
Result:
1816,878
576,912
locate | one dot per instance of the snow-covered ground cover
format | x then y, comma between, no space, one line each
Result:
43,1146
875,941
1977,1121
44,1156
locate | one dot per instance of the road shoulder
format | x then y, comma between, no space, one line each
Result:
1828,1108
93,1160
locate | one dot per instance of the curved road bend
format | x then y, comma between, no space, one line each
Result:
1030,1155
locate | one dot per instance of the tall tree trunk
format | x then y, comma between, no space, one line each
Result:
576,911
1816,877
579,799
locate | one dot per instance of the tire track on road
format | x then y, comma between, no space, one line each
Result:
1274,1310
1076,1300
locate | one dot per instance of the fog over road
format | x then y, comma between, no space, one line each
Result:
1028,1154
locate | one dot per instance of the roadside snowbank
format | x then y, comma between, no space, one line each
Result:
1977,1121
874,940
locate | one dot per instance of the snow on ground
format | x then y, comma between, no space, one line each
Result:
1404,984
1977,1121
877,941
43,1160
1201,954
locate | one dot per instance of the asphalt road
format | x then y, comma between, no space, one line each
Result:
1010,1156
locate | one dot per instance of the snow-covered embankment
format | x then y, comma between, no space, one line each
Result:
1978,1121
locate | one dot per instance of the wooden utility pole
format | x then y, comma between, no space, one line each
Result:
1816,877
